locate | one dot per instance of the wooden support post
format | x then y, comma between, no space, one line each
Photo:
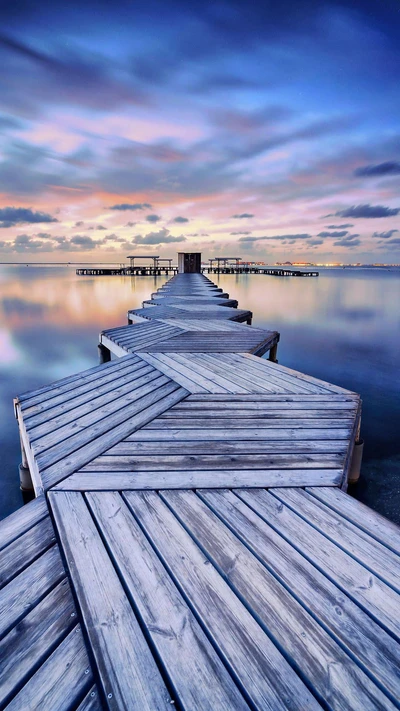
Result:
25,479
273,352
104,354
248,322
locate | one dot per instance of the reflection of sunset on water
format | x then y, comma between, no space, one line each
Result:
79,300
342,327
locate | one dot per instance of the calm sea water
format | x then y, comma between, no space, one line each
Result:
343,327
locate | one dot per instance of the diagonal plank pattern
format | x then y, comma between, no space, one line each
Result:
43,659
213,336
200,551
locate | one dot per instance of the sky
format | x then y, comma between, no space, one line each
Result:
262,130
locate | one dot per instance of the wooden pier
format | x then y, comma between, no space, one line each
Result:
127,271
192,544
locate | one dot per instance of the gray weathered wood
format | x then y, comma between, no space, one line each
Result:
61,682
127,670
373,595
199,678
91,702
21,552
162,462
360,545
191,479
22,520
268,680
79,450
33,639
365,641
29,587
379,527
310,648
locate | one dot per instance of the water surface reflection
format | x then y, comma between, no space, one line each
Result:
343,327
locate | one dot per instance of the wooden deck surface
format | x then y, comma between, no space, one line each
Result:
180,336
191,546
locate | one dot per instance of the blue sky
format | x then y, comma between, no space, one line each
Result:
266,130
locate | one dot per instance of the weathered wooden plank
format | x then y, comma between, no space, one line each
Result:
197,675
277,379
29,587
22,520
121,387
21,552
240,434
192,381
373,595
76,377
227,447
258,422
164,462
91,702
268,680
69,401
128,673
100,410
360,545
234,378
113,347
264,410
370,521
364,640
81,449
68,385
310,648
193,365
330,387
61,681
192,479
87,387
206,399
34,638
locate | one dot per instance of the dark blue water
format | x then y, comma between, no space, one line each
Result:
343,326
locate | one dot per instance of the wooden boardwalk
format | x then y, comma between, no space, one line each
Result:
192,544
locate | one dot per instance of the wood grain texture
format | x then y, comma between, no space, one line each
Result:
360,545
22,520
81,448
192,479
370,521
128,673
379,600
254,660
29,587
34,638
199,678
61,682
293,629
364,640
21,552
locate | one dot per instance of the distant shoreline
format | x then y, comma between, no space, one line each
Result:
303,266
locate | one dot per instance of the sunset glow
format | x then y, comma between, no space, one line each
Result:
268,130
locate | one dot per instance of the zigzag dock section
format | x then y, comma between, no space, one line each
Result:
192,544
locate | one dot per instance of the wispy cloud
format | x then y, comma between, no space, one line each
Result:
391,167
131,206
384,235
276,237
161,237
343,233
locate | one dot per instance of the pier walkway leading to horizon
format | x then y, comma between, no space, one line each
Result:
192,545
